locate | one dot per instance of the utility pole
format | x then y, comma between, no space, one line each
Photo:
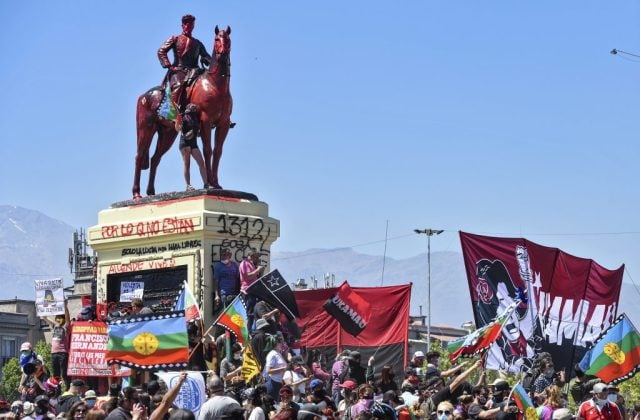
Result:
429,233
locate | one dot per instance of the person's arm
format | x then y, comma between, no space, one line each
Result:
482,378
463,376
168,399
257,271
453,370
368,376
489,414
205,58
163,52
216,282
271,313
319,373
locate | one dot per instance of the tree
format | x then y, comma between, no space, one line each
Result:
630,390
43,349
11,375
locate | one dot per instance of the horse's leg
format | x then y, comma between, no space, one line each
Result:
146,128
166,137
205,134
221,135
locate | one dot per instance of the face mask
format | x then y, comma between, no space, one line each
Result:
482,400
297,370
226,261
612,397
443,417
549,373
237,356
342,393
600,402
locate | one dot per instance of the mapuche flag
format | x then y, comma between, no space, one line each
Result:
524,403
349,309
481,338
149,342
273,289
234,319
615,355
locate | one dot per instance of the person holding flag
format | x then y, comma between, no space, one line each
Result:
250,270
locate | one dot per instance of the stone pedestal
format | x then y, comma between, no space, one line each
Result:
164,240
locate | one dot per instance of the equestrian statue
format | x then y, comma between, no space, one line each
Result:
192,99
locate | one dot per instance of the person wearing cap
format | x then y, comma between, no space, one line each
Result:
27,355
349,397
599,407
32,381
28,410
16,408
59,351
90,398
186,52
318,395
417,361
73,394
309,411
259,340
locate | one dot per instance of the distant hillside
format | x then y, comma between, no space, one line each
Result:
32,246
450,301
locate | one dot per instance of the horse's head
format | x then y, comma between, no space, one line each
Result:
221,52
222,41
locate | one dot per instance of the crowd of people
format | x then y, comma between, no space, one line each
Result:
299,383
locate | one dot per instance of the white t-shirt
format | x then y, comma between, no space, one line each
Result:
290,376
257,414
275,361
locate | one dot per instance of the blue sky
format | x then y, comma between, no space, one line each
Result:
491,117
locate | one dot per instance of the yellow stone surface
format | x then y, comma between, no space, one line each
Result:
181,234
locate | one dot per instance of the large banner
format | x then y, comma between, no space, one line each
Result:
88,346
349,309
386,336
566,301
49,297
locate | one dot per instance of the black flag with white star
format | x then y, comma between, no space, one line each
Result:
273,289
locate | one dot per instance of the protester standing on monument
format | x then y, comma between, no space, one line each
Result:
189,146
226,279
250,270
59,344
186,52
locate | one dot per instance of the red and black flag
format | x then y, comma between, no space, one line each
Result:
348,307
273,289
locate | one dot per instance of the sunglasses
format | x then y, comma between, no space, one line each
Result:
446,412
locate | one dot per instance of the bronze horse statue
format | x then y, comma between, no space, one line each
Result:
210,92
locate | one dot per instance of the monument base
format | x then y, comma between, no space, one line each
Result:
147,247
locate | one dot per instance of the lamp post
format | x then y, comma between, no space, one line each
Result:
429,233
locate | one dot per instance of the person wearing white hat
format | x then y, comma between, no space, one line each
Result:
599,407
27,410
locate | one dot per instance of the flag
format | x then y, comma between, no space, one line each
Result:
250,365
615,355
519,394
566,301
167,108
149,342
349,309
273,289
187,302
234,319
481,338
192,393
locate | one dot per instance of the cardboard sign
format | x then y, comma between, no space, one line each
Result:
49,297
130,290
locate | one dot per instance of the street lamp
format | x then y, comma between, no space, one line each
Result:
429,233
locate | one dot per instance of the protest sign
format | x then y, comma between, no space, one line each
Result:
130,290
192,393
49,297
87,349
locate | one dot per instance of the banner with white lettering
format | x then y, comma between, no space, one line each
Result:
351,311
566,301
192,393
49,297
87,349
130,290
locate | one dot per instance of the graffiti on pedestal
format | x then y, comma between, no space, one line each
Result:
243,235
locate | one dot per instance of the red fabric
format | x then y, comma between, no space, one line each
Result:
349,309
388,324
575,298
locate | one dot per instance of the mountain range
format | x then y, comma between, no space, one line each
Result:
35,246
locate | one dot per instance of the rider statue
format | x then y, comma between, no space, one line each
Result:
184,69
